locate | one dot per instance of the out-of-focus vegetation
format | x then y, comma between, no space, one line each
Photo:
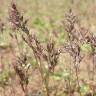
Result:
45,15
47,48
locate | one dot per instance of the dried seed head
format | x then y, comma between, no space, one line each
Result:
70,20
21,68
50,46
52,55
17,19
72,26
14,16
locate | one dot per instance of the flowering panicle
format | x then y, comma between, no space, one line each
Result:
21,69
16,19
14,16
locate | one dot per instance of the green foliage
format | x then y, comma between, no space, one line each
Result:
44,27
63,37
61,75
85,89
33,62
4,77
41,24
87,48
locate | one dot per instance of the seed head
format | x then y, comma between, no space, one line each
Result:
14,16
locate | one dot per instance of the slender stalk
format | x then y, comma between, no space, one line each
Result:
76,72
45,79
93,62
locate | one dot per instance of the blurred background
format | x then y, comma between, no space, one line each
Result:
44,14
